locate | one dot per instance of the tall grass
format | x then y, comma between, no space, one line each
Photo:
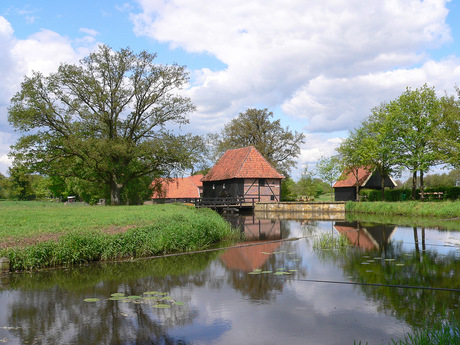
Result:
446,209
187,229
446,331
328,241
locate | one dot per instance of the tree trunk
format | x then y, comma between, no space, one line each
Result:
421,185
383,188
414,185
115,192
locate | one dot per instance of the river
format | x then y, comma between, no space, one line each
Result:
274,289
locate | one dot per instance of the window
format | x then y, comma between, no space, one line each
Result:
272,197
213,186
262,182
223,186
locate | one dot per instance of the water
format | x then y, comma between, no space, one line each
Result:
211,298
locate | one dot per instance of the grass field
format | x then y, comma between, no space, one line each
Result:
33,219
40,234
444,209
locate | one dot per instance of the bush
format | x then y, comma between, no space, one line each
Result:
449,193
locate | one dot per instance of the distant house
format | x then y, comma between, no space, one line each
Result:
345,187
243,173
179,189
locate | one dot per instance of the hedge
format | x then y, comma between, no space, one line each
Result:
449,193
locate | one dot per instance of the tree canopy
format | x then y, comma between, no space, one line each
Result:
280,146
416,131
103,121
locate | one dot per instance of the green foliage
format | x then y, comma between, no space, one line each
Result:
169,233
278,145
329,241
449,193
416,131
103,121
329,170
288,190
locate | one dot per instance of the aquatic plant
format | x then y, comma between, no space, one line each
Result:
329,241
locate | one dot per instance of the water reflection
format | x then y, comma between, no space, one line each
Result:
367,236
220,302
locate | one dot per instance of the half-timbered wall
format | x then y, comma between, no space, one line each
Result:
263,190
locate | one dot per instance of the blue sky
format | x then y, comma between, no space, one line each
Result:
319,66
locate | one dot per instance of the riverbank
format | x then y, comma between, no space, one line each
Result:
98,233
443,209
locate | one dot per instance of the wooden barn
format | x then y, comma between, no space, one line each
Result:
179,189
345,188
245,174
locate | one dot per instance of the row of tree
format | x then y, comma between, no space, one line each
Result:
108,126
414,132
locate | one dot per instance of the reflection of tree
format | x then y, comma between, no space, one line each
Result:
56,313
397,267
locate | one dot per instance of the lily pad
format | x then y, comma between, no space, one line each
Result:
134,297
390,259
116,298
178,303
254,272
151,298
162,306
91,300
267,272
118,294
166,298
399,264
151,293
280,273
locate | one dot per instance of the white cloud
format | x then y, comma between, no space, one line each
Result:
326,62
43,52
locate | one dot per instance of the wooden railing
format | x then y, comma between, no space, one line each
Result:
236,202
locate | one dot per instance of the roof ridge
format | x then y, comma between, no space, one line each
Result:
245,158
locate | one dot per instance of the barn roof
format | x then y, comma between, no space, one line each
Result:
364,175
246,162
179,188
349,180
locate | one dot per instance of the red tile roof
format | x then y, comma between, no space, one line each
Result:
246,162
179,188
350,179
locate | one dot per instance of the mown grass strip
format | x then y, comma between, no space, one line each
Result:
445,209
186,229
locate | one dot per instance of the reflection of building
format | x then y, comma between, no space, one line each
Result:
368,237
254,252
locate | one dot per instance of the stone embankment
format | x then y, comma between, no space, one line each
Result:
302,210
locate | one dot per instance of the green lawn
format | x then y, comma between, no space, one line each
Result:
25,219
39,234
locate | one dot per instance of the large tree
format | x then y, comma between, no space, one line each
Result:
416,117
380,144
448,135
103,120
280,146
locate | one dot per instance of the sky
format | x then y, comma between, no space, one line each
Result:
319,66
